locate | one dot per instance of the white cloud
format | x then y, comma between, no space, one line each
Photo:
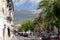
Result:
19,2
34,2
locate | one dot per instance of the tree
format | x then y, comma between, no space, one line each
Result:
40,22
19,29
52,10
47,7
57,13
28,25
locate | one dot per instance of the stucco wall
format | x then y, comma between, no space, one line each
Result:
1,27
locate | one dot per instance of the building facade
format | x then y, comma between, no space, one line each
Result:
6,19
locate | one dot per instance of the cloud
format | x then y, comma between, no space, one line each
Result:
34,2
19,2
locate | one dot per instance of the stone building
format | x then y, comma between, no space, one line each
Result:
6,19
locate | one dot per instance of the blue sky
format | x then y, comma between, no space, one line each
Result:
26,4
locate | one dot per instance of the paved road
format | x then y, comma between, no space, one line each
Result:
26,38
22,38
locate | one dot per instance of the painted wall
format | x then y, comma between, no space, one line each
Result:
1,27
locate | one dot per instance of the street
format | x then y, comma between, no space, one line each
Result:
26,38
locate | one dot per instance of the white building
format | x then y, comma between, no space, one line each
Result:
6,19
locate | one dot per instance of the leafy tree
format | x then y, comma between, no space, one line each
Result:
52,10
47,7
57,13
28,25
40,24
19,29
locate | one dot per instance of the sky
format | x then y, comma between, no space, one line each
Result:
26,4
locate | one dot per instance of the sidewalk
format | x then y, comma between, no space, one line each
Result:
1,38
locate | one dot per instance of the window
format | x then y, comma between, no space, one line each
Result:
3,10
9,32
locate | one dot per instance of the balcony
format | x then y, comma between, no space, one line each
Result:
9,18
10,8
8,1
9,4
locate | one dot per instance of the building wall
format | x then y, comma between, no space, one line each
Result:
1,21
1,27
6,20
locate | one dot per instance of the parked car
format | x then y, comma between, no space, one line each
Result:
53,36
45,36
25,35
20,34
16,34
